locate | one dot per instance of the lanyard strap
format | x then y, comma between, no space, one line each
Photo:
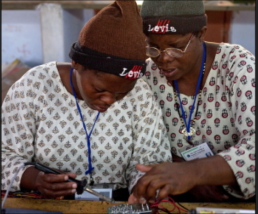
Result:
199,99
197,89
88,136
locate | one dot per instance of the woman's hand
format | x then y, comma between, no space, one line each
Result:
180,177
169,178
49,185
53,186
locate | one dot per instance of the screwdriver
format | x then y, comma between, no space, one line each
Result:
81,185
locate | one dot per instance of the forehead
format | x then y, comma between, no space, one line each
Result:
165,39
108,82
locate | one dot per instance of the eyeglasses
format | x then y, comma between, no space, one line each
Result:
173,52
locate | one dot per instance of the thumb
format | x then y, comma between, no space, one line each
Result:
143,168
132,199
72,174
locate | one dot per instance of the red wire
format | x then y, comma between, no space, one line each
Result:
171,201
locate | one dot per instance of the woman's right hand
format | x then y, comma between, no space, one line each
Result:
53,186
49,185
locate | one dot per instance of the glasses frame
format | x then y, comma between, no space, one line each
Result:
183,52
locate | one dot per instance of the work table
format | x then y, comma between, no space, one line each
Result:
74,206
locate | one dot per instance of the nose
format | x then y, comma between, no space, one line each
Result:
164,57
109,99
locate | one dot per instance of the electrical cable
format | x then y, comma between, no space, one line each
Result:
185,210
15,175
9,187
158,206
182,206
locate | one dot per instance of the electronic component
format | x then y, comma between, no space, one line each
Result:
204,210
129,208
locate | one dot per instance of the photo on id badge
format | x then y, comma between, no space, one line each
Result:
201,150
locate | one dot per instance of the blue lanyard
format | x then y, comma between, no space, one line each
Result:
197,89
88,136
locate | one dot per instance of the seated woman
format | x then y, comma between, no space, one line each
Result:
91,118
206,92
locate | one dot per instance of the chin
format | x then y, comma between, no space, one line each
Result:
170,79
173,77
97,108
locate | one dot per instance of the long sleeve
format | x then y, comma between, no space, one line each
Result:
225,116
150,141
241,157
18,126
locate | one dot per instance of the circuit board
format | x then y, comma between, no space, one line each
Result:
130,208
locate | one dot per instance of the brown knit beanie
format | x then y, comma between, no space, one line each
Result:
113,41
173,16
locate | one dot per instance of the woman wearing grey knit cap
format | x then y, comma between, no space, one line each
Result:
206,92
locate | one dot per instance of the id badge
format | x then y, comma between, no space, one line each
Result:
86,196
197,152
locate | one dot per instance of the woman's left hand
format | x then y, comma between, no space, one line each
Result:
180,177
169,178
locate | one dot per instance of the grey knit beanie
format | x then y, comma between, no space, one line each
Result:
173,17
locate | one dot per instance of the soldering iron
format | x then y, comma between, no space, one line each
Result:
81,185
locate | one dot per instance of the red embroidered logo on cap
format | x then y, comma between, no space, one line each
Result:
162,27
135,73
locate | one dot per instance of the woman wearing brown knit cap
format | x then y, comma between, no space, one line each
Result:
93,118
206,92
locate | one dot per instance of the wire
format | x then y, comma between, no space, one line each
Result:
158,206
9,187
182,206
185,210
15,175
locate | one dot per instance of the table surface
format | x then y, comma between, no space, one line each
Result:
74,206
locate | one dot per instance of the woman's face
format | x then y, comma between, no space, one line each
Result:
175,68
100,90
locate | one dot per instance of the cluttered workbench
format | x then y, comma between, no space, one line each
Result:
74,206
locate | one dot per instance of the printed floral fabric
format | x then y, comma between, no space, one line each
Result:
225,117
41,122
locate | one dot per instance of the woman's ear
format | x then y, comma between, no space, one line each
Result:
202,33
74,64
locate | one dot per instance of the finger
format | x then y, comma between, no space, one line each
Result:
164,192
60,186
52,178
142,185
132,199
143,168
152,188
225,197
142,200
216,196
72,174
60,198
55,194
